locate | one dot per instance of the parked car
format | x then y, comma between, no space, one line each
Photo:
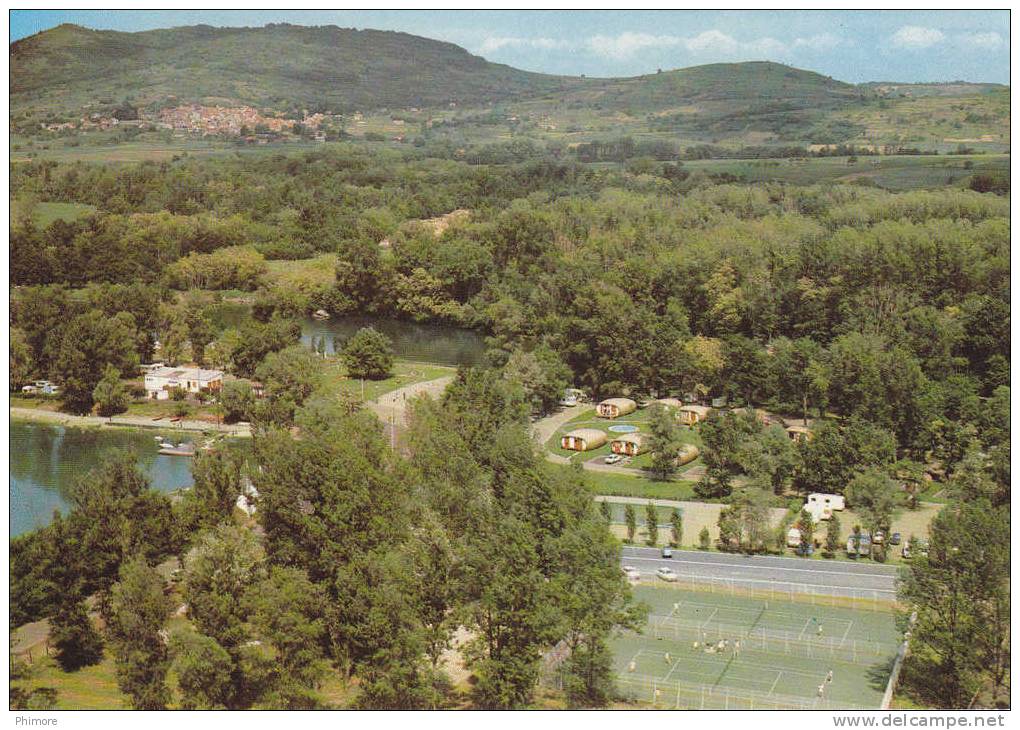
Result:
879,537
613,459
895,538
667,552
805,549
666,574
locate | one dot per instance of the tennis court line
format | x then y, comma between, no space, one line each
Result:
807,621
845,634
773,687
707,620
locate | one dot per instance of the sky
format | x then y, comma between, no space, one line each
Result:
852,45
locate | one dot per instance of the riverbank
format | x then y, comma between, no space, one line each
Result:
241,430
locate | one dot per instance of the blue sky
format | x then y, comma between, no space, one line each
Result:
861,45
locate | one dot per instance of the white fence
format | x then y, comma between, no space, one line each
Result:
679,695
877,599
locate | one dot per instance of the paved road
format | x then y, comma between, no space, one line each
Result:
863,579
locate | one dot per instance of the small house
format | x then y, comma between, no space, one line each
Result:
161,382
693,415
615,407
583,439
799,434
629,444
674,403
821,506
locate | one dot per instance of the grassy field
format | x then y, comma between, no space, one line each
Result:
896,173
317,271
405,372
786,650
626,485
43,214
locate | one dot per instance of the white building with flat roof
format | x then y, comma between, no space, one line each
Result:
159,382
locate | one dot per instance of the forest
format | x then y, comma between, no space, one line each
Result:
883,316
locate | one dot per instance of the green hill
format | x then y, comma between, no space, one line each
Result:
279,66
62,74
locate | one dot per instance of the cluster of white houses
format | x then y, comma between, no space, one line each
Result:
632,444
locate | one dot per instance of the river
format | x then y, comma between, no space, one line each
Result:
46,459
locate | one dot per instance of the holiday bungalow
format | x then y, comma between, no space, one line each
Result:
688,453
583,439
615,407
693,415
629,444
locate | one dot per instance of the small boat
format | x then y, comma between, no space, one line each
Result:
169,449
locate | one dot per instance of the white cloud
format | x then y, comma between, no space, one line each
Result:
916,37
981,41
820,42
710,43
495,43
627,44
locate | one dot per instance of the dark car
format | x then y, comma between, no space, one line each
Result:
895,538
667,552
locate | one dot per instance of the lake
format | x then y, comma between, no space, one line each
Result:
443,345
46,459
432,343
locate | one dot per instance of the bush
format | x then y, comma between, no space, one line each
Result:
704,539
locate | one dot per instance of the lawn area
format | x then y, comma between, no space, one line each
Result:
91,688
626,485
405,372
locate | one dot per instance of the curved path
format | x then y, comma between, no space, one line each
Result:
391,407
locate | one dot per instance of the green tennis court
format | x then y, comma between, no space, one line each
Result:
704,650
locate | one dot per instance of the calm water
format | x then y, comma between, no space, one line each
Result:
452,346
45,460
424,342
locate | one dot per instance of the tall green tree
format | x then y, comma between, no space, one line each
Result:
139,610
368,354
664,441
960,591
110,395
652,523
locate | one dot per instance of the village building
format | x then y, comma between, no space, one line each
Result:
615,407
629,444
583,439
693,415
669,402
161,382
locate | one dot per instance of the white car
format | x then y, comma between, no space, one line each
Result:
631,572
614,459
666,574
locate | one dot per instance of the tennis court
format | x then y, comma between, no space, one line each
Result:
711,651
